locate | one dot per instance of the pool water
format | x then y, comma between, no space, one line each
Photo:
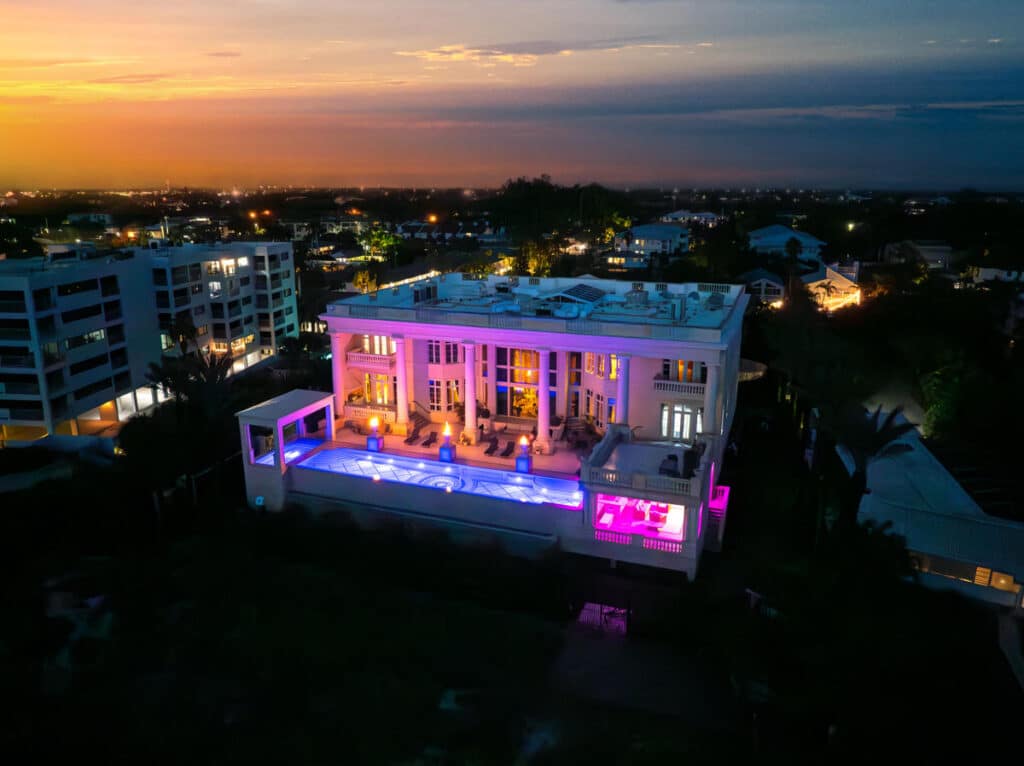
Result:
448,477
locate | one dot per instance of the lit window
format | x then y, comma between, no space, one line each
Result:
434,351
434,388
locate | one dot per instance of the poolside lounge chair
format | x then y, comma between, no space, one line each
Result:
430,440
492,447
413,437
509,449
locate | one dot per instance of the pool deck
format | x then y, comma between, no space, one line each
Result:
563,464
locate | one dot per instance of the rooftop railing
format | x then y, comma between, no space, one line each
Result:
637,328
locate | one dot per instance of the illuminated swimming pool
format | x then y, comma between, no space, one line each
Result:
448,477
292,451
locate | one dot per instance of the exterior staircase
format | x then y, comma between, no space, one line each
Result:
417,421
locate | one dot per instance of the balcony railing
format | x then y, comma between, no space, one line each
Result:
638,541
612,477
370,361
12,307
441,316
679,387
365,411
30,388
14,333
20,414
17,360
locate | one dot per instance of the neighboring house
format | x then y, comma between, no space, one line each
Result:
629,389
654,239
990,274
765,286
710,220
935,254
830,289
79,327
625,261
100,219
772,240
953,543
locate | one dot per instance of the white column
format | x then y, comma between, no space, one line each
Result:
401,385
711,424
279,445
562,384
622,394
339,341
492,379
469,392
544,401
329,422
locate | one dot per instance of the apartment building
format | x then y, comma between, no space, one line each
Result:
584,413
77,333
239,296
80,327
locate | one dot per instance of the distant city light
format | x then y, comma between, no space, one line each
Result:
432,218
252,214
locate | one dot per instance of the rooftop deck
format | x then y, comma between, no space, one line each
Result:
580,305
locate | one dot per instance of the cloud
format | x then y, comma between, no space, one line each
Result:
45,63
129,79
524,54
224,54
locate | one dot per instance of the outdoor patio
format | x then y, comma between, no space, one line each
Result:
563,463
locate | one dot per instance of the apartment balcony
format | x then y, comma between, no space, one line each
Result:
679,388
21,414
17,361
14,333
12,307
29,388
376,362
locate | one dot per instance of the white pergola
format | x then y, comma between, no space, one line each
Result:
280,412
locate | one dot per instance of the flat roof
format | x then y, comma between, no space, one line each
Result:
280,407
696,305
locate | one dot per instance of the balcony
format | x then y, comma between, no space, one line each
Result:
17,361
611,477
28,388
14,333
365,361
362,410
21,414
12,307
620,463
679,388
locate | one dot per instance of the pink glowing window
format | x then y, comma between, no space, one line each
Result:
636,516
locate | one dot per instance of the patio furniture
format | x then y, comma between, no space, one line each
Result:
492,447
509,449
430,440
413,437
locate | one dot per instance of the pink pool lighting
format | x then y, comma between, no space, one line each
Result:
635,516
448,477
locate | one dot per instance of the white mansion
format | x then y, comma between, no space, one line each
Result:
587,413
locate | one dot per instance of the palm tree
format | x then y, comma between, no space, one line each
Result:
866,439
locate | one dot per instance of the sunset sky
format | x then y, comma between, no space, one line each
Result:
913,93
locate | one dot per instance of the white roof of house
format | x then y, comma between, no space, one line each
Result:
280,407
828,274
658,231
928,507
779,232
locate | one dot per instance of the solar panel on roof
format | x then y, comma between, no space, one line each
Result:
585,293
